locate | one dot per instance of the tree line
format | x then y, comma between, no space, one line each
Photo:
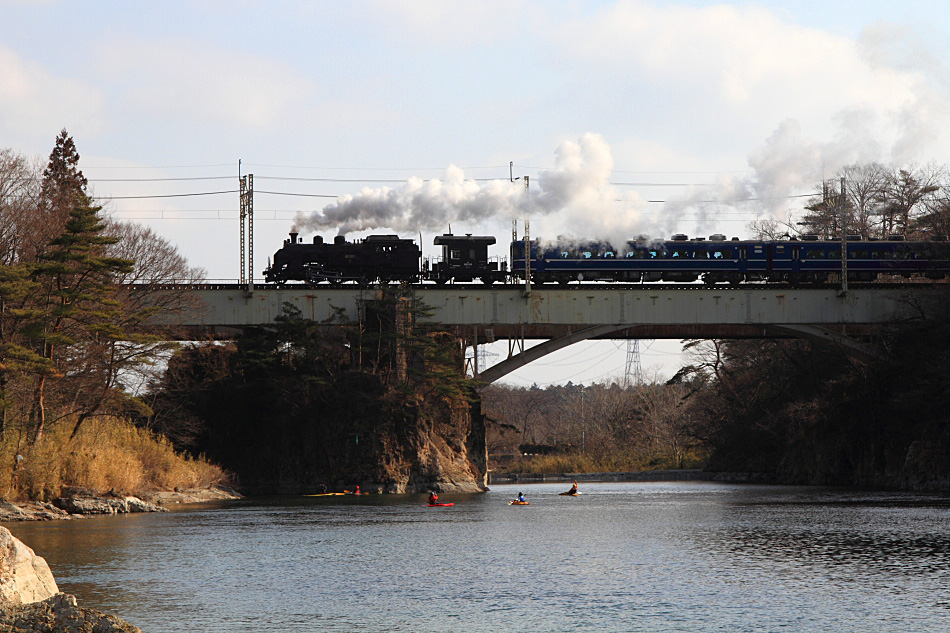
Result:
879,201
76,291
604,426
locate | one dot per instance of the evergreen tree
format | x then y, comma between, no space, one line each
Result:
76,304
62,188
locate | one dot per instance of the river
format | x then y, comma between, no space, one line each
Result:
686,556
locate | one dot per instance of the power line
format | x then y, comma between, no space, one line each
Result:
156,166
313,167
384,180
169,195
302,195
160,179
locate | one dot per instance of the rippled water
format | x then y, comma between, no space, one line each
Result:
620,557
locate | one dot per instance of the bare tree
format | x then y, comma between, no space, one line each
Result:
904,198
19,197
865,186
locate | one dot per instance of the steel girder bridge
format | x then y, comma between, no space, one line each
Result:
563,316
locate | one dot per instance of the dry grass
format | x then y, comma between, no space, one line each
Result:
108,454
619,461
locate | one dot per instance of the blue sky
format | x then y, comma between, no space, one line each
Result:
719,102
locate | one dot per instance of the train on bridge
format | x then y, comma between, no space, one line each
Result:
712,260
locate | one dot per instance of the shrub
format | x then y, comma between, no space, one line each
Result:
109,454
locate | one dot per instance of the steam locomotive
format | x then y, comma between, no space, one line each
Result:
385,258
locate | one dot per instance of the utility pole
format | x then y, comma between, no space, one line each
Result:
844,241
247,231
527,248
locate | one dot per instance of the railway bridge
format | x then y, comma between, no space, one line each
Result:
569,314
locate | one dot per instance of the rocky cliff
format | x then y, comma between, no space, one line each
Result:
357,434
382,404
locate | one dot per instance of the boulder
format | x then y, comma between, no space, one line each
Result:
30,600
60,613
24,576
91,504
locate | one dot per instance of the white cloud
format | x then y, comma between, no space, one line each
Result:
180,78
35,101
742,67
452,23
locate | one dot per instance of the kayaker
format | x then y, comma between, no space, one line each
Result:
573,490
521,497
357,491
433,498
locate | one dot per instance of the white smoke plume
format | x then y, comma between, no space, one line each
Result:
577,188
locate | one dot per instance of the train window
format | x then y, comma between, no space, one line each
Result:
657,253
565,254
587,254
725,253
834,253
609,255
455,254
681,253
779,249
814,253
858,254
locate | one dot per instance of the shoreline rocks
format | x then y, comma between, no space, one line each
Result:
60,612
30,601
79,503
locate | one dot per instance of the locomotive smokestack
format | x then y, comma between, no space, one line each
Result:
293,237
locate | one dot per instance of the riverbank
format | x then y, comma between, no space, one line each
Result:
695,474
80,503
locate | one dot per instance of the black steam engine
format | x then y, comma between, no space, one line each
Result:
381,258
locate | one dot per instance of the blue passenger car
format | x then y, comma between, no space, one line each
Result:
717,260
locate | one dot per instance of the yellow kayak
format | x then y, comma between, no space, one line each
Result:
568,494
326,494
515,502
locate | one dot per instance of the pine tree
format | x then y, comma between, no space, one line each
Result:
62,188
76,305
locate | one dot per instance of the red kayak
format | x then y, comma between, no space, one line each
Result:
440,505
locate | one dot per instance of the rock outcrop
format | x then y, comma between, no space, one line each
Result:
30,600
24,576
91,503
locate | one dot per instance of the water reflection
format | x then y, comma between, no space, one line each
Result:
620,557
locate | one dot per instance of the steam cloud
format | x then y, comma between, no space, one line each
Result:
578,188
577,194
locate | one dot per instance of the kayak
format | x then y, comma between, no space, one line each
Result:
440,505
568,494
515,502
326,494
